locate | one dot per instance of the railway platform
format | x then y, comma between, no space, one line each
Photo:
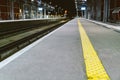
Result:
78,50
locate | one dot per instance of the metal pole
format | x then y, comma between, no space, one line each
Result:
76,8
36,12
31,13
115,5
0,15
45,10
108,10
23,12
12,10
105,18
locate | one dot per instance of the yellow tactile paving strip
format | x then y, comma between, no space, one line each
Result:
94,67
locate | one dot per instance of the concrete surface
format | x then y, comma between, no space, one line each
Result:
56,57
107,44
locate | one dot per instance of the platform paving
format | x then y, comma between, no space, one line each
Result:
55,57
59,56
106,42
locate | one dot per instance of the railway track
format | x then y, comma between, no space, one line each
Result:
7,30
13,41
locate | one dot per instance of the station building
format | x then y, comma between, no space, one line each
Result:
104,10
25,9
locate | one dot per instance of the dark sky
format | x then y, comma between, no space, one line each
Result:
66,4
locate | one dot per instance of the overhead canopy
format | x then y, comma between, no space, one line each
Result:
116,10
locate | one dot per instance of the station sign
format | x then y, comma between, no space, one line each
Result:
83,8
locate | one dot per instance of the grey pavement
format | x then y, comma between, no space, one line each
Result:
58,56
55,57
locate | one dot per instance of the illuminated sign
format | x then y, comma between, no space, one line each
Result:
83,8
40,9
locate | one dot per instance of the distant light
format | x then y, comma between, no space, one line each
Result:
66,11
40,9
20,10
83,8
84,0
32,0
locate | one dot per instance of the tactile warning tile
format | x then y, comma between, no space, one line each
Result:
94,67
